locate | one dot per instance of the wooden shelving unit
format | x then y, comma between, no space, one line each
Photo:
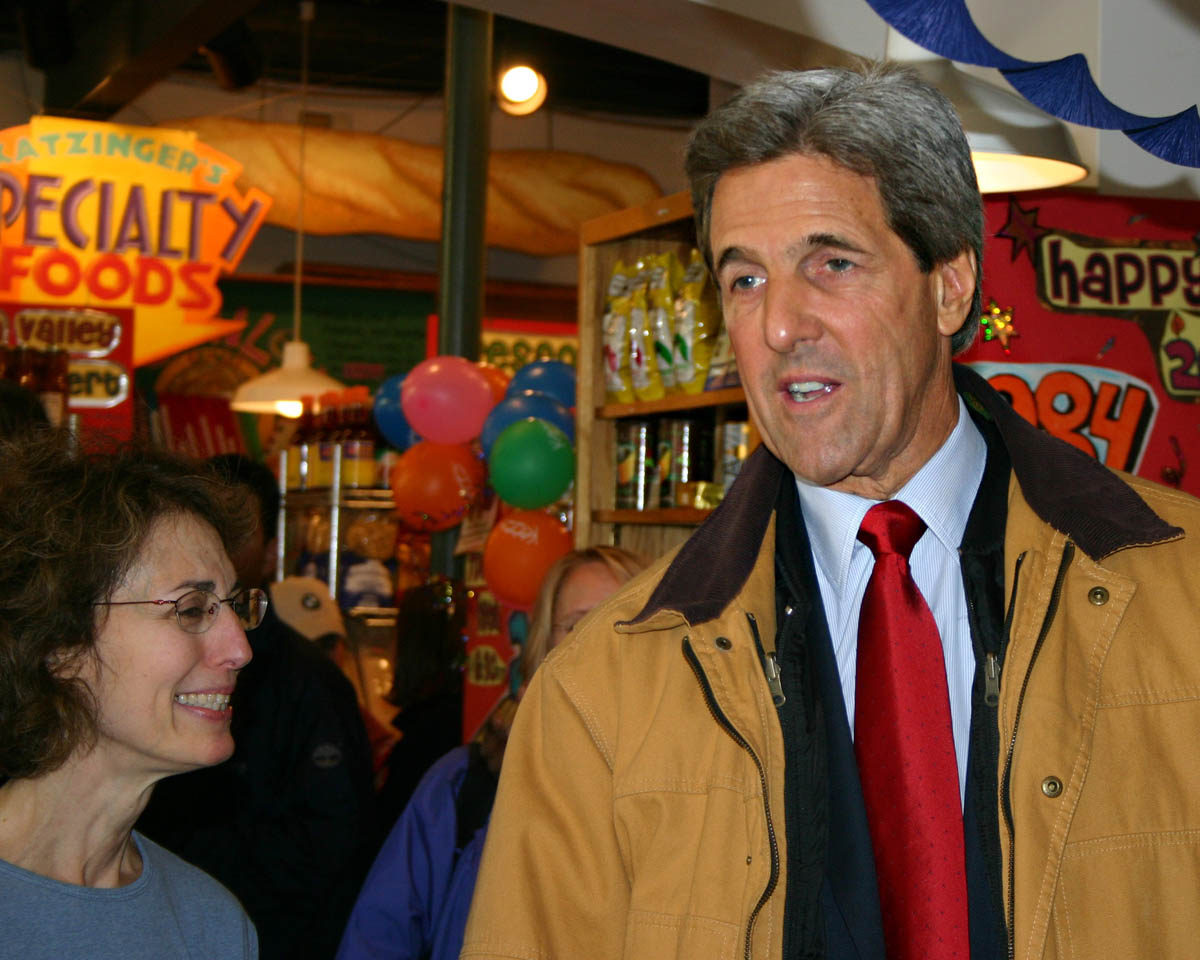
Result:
675,404
664,224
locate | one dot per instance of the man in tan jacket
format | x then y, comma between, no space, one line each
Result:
801,737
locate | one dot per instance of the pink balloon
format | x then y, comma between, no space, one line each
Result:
446,399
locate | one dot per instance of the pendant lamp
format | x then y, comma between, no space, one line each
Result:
1014,145
279,391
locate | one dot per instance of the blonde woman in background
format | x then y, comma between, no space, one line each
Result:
414,903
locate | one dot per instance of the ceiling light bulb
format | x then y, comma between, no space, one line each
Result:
522,91
519,84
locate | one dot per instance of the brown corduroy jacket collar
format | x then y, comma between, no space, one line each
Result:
1069,490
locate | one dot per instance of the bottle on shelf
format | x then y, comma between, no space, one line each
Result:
54,389
300,448
328,436
358,440
28,368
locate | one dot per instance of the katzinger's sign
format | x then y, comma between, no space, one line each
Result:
99,215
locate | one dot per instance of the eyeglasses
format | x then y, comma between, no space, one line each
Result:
197,610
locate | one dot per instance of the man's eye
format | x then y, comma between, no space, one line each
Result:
745,283
839,264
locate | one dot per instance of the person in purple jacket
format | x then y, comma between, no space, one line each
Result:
415,900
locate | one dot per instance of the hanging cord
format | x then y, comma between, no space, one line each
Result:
307,12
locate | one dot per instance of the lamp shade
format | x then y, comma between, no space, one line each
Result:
279,391
1014,145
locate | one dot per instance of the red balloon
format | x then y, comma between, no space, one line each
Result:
434,484
497,379
446,399
519,551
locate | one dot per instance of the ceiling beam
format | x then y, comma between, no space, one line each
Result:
127,45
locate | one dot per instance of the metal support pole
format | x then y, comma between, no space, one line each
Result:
461,268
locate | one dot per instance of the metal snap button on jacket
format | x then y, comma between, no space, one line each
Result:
724,643
1052,787
1098,596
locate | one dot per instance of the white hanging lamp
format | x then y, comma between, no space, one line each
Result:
279,391
1014,145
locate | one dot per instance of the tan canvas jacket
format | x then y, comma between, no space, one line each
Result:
640,811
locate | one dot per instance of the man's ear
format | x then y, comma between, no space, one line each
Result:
955,290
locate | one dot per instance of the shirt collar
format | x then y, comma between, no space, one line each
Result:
1067,490
833,517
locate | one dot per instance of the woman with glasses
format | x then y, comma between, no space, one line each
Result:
122,630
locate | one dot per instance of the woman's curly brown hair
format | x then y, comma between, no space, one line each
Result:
72,525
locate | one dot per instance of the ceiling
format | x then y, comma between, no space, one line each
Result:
361,44
634,58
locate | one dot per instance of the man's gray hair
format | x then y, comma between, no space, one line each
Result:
879,120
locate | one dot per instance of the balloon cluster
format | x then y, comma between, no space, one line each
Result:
449,417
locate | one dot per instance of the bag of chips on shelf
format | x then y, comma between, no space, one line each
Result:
643,367
614,326
722,365
663,273
697,323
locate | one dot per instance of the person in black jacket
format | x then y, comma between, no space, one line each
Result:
20,411
285,823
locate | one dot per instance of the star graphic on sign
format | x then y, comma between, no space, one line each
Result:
997,325
1022,229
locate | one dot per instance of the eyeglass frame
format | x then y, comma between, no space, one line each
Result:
252,594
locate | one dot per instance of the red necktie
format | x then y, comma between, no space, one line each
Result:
905,748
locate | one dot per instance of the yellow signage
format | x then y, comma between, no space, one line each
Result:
511,351
99,215
485,667
82,332
1083,274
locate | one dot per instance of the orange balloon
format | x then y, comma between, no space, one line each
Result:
497,379
434,484
519,551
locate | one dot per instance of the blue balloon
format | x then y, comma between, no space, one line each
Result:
389,415
526,405
551,377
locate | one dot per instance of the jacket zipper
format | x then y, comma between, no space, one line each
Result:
991,680
725,723
991,663
1006,790
770,664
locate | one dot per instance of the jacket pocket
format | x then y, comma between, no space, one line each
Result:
1129,896
661,936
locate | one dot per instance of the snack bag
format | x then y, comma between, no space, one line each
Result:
722,367
614,327
663,272
697,322
643,367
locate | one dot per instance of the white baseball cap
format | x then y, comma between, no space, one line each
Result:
304,604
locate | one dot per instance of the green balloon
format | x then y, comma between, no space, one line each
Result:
531,464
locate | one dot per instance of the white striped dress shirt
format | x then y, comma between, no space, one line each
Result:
941,493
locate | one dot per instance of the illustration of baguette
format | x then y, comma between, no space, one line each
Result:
366,183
